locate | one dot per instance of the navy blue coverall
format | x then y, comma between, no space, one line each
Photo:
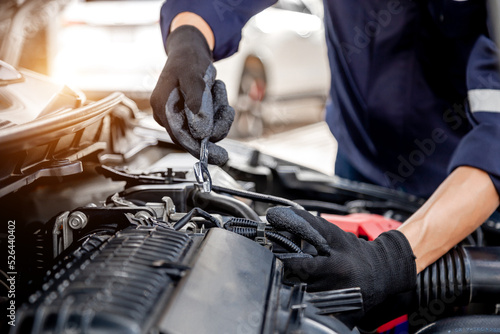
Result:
415,89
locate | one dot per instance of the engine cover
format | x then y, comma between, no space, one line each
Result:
227,289
152,279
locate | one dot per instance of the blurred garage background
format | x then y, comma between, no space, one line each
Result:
278,81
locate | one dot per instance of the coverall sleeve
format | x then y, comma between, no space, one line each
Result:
480,148
225,17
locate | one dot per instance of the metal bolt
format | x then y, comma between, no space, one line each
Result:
169,207
77,220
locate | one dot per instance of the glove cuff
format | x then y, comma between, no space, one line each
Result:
186,38
396,254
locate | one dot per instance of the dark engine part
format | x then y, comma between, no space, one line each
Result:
466,324
226,204
108,286
152,279
463,276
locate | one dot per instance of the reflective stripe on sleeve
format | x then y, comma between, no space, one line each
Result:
484,100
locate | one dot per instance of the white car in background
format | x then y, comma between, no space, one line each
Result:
279,76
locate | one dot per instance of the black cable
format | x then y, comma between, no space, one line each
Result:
323,206
242,222
198,212
257,196
5,285
3,274
248,232
479,237
284,241
364,205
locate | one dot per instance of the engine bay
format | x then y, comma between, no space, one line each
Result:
114,235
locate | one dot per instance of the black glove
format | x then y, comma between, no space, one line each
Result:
187,100
380,268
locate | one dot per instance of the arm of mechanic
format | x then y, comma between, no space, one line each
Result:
470,193
192,19
225,19
460,205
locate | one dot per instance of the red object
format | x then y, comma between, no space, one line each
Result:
392,324
363,224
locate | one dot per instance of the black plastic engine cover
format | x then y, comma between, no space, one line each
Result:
149,279
226,291
109,284
152,279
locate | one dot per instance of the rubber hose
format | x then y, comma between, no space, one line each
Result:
257,196
465,324
224,204
461,276
446,279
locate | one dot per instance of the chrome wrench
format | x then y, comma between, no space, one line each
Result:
201,168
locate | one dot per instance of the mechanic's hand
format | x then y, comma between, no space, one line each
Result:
187,100
380,268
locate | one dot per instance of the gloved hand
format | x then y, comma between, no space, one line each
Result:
380,268
187,100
